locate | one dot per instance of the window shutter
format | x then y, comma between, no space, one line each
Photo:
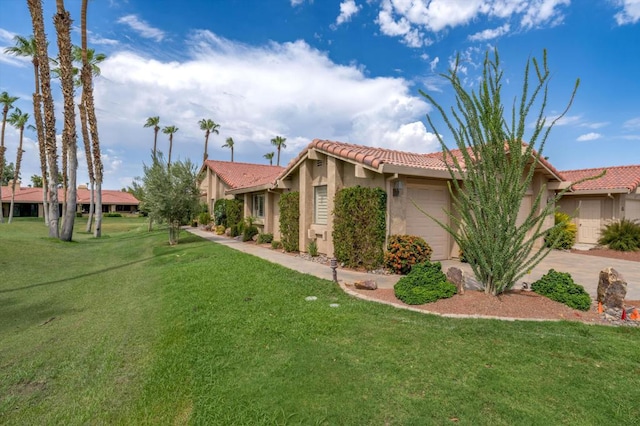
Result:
321,205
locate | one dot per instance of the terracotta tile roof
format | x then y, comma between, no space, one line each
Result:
458,154
370,156
616,178
244,175
34,195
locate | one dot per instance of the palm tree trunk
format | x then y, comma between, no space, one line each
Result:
170,148
155,140
62,21
98,230
206,145
35,8
232,154
16,174
37,115
87,153
2,151
278,163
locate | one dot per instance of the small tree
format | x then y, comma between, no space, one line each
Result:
171,194
497,169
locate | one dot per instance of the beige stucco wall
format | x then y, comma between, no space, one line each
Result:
214,188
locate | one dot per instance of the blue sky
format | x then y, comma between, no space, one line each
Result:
342,70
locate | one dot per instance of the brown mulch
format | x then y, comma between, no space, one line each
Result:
518,304
611,254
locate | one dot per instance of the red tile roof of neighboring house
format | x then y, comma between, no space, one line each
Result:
34,195
626,178
243,175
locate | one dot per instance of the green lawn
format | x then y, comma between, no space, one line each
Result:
129,330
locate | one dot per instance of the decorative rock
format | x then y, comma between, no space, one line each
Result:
456,277
310,298
366,285
334,305
612,289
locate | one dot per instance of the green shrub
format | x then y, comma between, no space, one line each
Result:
204,218
227,212
276,245
359,226
290,220
563,234
425,283
312,248
220,212
111,215
248,232
404,251
264,238
78,214
622,235
233,232
220,229
559,286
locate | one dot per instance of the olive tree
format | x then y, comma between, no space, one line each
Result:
171,194
494,169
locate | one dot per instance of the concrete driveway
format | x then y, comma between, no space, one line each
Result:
584,269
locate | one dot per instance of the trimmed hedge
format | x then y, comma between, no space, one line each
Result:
227,212
290,220
425,283
359,226
559,286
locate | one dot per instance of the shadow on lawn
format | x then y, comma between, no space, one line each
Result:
166,250
16,315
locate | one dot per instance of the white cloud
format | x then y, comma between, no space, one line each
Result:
348,9
633,123
141,27
595,125
433,64
589,137
543,12
490,34
630,13
256,94
567,120
6,35
401,18
103,41
296,2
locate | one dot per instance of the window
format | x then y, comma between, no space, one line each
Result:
257,204
320,209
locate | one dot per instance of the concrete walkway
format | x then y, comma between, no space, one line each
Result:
584,269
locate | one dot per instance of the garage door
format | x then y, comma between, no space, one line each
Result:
589,216
432,201
632,209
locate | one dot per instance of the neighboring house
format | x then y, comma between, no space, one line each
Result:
219,179
28,201
409,179
614,196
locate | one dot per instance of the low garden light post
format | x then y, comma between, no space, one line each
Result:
334,268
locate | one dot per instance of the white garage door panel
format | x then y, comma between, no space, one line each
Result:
434,202
632,209
589,218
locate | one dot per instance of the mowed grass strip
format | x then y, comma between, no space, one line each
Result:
129,330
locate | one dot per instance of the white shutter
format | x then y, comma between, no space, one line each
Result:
320,205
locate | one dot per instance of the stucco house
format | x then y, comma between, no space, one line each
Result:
592,203
28,201
324,167
225,179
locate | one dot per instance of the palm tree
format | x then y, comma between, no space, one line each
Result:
49,120
86,75
209,126
269,156
62,21
229,144
26,47
170,130
279,142
7,103
154,122
18,120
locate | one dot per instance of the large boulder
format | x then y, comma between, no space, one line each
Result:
612,289
456,277
366,285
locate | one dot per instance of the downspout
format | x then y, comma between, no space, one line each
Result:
388,213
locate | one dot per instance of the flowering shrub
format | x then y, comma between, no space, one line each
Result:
563,234
404,251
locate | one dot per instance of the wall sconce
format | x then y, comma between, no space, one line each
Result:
398,186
